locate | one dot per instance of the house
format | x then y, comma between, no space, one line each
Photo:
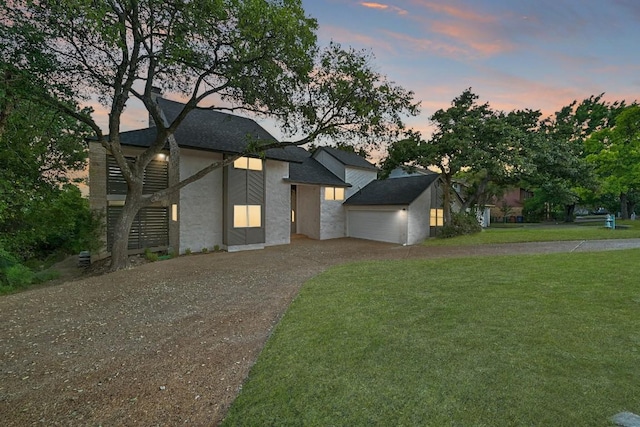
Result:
253,202
508,208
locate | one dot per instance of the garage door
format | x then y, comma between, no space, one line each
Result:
383,226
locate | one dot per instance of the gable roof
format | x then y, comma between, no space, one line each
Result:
394,191
312,172
347,158
209,130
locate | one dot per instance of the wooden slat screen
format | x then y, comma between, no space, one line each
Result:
150,227
156,176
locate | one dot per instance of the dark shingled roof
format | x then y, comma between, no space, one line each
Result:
312,172
209,130
393,191
348,158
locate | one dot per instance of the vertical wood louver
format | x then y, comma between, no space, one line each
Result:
151,225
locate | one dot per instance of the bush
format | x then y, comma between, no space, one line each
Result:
150,256
18,276
461,223
59,222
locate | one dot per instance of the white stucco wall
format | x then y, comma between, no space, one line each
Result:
277,204
308,201
358,178
332,218
418,224
200,211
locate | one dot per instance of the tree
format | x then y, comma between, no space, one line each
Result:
252,55
615,153
470,138
39,146
559,172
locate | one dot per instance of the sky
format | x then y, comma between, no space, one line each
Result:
514,54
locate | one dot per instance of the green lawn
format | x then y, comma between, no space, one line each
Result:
549,340
542,233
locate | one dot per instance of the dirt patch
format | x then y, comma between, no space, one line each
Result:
163,343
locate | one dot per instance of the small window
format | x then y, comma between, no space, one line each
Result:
334,193
248,163
436,218
247,216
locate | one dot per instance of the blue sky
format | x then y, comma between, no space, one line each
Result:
514,54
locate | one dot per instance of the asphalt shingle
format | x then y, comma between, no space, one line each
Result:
393,191
209,130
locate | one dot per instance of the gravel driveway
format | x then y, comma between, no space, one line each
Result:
171,342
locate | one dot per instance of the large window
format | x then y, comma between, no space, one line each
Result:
334,193
247,216
248,163
436,218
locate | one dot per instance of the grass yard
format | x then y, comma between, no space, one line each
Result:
542,233
549,340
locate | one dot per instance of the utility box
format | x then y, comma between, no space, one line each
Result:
84,259
610,221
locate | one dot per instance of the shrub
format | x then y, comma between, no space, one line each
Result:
216,248
461,223
187,251
18,276
150,256
205,250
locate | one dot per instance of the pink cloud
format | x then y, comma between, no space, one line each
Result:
427,45
343,35
381,6
480,40
457,12
480,34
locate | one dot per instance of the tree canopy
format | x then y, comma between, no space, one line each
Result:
615,154
472,138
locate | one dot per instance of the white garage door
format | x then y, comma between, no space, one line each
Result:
383,226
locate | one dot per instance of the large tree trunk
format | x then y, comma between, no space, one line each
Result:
120,248
446,199
568,212
624,212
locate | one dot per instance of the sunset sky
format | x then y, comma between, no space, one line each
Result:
514,54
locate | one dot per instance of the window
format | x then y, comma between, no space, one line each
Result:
248,163
436,218
334,193
247,216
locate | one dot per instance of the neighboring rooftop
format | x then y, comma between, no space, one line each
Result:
209,130
395,191
347,158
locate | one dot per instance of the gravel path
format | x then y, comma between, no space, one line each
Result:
171,342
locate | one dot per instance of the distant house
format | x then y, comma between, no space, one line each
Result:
508,208
256,202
